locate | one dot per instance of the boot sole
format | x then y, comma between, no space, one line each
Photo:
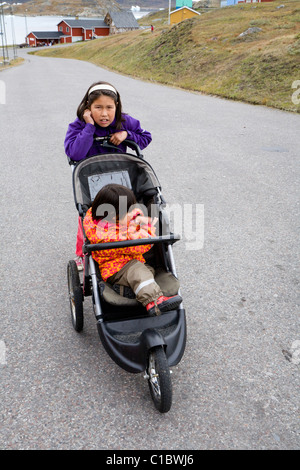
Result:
171,304
167,305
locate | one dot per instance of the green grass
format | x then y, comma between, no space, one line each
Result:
11,63
206,54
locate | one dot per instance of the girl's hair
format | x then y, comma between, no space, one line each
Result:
109,198
88,99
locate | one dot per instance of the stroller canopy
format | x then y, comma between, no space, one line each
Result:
91,174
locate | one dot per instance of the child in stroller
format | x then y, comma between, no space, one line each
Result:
108,221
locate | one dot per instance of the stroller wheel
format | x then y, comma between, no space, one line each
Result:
75,296
159,379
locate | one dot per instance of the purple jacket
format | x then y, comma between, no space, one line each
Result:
79,140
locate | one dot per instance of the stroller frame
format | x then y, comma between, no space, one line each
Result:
135,341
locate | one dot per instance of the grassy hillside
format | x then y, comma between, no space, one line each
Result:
207,54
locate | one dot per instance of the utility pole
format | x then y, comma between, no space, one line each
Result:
13,32
26,27
3,36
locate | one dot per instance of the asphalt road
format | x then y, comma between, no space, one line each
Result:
237,386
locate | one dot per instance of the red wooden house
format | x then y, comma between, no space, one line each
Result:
80,30
69,30
43,38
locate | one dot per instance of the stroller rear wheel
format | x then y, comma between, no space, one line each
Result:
75,296
159,379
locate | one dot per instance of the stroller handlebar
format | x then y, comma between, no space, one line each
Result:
104,142
169,239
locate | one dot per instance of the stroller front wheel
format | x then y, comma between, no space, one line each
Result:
75,296
159,379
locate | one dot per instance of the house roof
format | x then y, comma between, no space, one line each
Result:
123,19
85,24
188,8
47,34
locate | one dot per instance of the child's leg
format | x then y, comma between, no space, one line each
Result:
79,240
140,279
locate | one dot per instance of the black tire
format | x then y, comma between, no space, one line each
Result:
75,296
159,379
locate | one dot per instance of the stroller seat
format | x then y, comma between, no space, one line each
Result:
168,283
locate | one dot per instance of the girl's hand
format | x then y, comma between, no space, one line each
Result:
118,137
87,116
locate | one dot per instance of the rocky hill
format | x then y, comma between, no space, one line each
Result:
87,8
83,7
147,4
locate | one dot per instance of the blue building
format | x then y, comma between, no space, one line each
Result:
184,3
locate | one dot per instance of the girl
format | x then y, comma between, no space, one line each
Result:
100,114
125,266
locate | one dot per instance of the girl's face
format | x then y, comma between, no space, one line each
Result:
103,110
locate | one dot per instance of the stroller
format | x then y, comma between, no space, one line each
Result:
134,340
